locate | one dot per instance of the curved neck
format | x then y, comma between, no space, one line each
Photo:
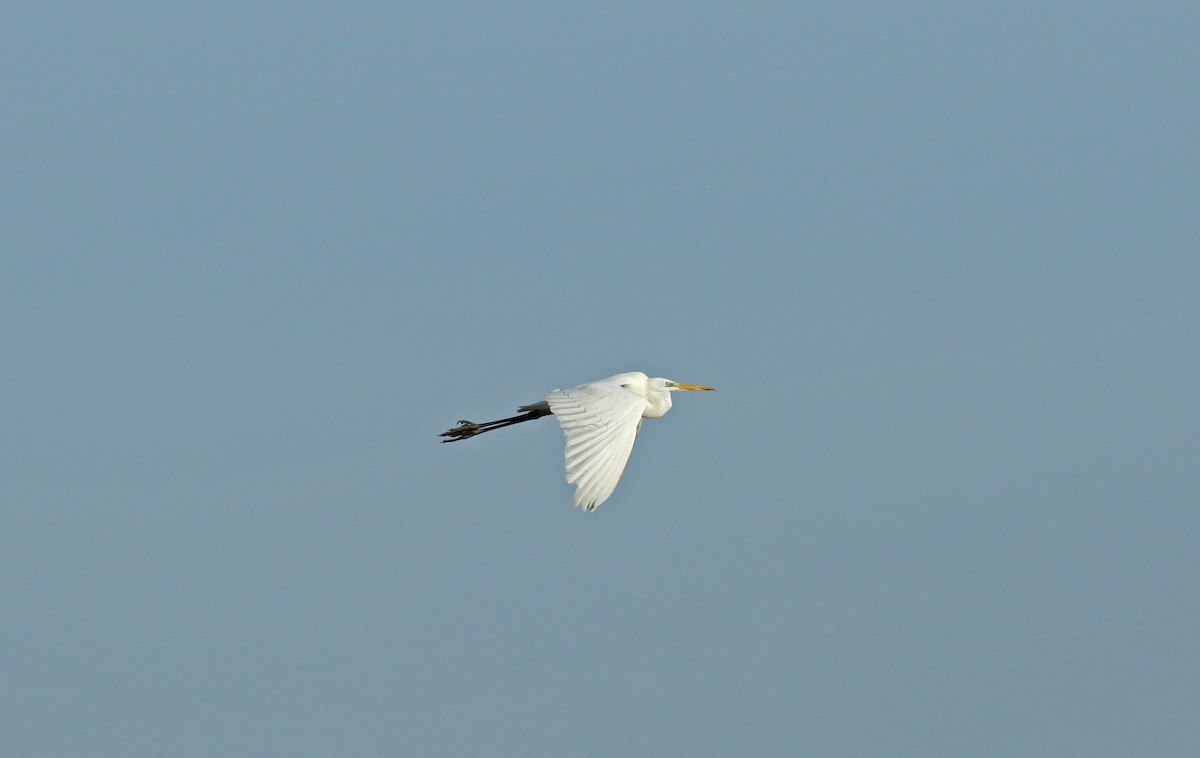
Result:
658,402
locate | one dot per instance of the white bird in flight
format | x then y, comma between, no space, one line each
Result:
600,421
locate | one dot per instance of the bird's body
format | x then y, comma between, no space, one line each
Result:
600,421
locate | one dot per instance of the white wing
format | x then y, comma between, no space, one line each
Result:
600,421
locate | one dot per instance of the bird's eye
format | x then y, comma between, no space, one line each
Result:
626,386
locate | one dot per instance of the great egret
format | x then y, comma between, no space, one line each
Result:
600,421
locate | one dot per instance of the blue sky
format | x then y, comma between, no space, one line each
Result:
939,259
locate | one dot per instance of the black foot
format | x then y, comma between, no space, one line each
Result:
464,430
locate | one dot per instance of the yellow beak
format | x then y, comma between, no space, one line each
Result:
682,386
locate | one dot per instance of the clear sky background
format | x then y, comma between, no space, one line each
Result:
941,261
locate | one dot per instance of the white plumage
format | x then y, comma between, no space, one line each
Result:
600,421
